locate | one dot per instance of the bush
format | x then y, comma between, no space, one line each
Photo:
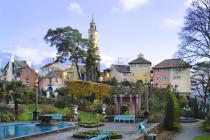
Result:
93,133
48,109
60,104
25,117
4,117
81,89
154,104
172,112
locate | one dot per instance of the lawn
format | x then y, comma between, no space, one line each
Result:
27,110
87,117
202,138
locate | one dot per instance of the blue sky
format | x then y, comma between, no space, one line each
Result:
126,27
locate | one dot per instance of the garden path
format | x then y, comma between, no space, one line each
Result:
190,130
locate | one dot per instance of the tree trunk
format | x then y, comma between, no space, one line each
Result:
78,72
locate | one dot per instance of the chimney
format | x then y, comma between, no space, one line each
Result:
54,59
28,63
141,55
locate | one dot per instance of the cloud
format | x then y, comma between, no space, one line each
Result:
172,22
75,8
188,3
34,55
107,60
129,5
115,9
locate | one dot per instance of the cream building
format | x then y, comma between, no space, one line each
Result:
120,72
140,70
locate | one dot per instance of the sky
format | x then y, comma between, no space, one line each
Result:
126,27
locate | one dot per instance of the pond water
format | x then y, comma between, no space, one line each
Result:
14,130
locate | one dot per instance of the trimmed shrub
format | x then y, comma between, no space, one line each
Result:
48,109
82,89
93,133
60,104
25,117
172,112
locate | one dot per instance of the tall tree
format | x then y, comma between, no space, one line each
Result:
201,81
195,35
15,89
92,62
69,43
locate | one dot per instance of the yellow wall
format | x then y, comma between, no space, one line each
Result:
181,77
140,72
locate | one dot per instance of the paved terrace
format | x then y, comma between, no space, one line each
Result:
128,130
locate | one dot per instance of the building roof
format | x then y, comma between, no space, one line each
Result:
20,64
172,63
49,64
140,60
54,74
122,68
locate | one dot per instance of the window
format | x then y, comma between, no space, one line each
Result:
124,74
50,81
177,77
27,81
164,78
56,79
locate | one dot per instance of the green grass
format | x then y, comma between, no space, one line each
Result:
87,117
25,116
28,110
202,138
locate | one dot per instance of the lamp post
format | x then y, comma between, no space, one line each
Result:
146,97
35,113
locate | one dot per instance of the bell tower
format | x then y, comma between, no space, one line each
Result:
93,34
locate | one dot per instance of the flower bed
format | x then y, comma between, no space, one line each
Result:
93,133
90,125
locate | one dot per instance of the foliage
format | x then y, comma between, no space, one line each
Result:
60,104
156,117
92,62
25,117
88,117
90,125
6,116
154,104
172,112
48,109
202,138
93,133
195,33
69,44
201,81
206,126
79,89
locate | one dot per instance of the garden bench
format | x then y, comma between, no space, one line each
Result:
103,135
57,117
124,118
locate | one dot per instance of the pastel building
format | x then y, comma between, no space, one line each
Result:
120,72
173,73
52,81
55,65
140,70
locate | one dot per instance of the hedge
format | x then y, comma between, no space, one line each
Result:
93,133
172,111
83,88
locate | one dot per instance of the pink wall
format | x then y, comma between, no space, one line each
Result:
158,74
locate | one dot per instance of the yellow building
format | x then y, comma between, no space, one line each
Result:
140,70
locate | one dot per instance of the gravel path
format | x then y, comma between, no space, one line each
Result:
190,130
129,131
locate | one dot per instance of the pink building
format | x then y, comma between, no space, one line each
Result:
173,73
